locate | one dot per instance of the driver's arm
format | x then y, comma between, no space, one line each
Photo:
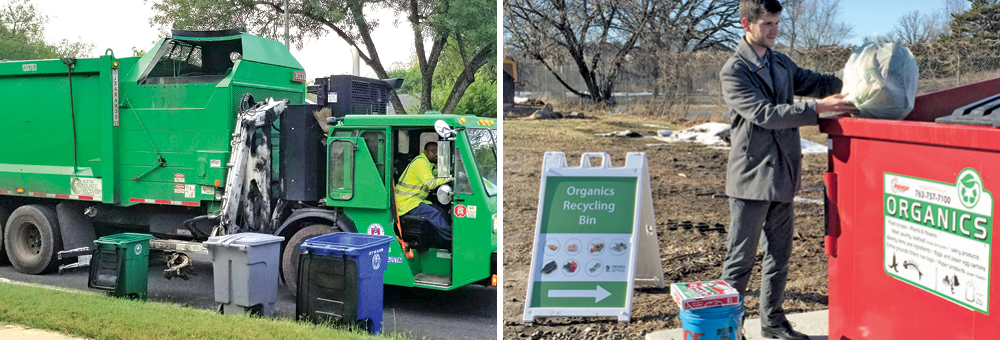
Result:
426,175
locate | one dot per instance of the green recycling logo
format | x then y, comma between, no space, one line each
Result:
970,187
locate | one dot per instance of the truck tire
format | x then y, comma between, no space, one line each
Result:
4,216
290,257
32,239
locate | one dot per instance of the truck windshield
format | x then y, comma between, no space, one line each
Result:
484,150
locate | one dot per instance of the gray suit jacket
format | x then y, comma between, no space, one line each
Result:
765,162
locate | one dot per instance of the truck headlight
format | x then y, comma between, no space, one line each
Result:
494,223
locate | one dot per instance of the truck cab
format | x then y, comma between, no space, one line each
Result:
384,146
340,159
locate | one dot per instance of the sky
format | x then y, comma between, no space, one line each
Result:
124,24
879,16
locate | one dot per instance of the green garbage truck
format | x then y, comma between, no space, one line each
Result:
210,133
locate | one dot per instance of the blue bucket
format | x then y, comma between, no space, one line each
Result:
715,323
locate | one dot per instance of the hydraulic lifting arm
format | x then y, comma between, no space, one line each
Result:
249,168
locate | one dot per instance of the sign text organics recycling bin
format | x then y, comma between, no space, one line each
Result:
595,236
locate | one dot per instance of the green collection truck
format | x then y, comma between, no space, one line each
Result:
209,134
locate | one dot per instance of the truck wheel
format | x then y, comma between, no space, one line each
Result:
290,258
32,239
4,216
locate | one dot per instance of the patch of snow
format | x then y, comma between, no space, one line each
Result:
708,134
809,148
803,200
712,134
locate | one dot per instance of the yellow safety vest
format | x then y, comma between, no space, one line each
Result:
419,178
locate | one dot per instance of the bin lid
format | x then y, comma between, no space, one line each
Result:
978,113
124,238
243,240
351,244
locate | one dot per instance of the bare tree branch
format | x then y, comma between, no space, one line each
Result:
585,31
813,23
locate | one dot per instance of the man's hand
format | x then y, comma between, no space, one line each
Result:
835,103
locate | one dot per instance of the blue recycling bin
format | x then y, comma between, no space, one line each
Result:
340,279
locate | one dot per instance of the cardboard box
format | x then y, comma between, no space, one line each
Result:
704,294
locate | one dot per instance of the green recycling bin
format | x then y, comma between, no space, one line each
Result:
120,265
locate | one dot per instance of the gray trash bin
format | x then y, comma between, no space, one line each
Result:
246,272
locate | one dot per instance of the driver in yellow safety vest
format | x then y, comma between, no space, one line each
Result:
417,181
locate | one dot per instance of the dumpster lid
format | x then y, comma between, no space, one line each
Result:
124,238
983,112
243,240
351,244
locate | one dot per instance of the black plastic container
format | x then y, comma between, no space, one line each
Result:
328,290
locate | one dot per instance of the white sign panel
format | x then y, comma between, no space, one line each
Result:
595,238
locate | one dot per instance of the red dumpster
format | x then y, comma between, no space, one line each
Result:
909,210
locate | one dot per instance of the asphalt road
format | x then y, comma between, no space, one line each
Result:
466,313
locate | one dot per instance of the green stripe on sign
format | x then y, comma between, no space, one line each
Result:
589,205
579,294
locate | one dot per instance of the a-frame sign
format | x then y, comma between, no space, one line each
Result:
595,238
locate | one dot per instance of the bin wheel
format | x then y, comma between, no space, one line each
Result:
255,310
290,258
4,216
367,324
32,239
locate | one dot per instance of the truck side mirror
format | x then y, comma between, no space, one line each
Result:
444,194
444,159
443,130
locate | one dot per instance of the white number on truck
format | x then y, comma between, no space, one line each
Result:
29,67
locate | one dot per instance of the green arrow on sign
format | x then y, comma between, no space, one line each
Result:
598,293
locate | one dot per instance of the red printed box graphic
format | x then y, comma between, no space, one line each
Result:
703,294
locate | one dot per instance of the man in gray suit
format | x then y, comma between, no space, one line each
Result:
765,161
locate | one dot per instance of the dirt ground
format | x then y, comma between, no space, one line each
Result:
688,185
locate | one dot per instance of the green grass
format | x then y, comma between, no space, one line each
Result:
96,316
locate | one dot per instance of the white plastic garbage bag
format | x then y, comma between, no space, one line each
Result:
881,80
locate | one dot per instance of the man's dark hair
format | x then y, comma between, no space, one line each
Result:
430,145
754,9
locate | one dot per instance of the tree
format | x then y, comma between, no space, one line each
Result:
951,8
596,35
812,23
792,20
22,35
480,98
694,25
464,15
684,26
877,38
981,22
433,21
914,28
